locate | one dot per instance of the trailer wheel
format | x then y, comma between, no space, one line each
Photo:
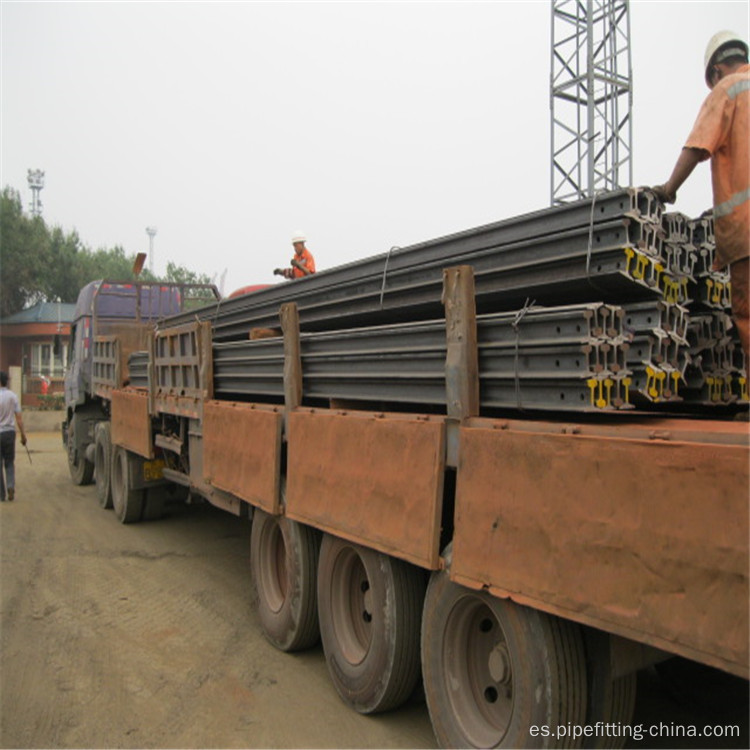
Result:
81,470
493,669
154,502
126,501
283,563
369,606
611,700
103,465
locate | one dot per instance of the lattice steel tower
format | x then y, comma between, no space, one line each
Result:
36,183
591,98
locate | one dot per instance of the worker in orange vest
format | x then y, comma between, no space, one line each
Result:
721,133
302,264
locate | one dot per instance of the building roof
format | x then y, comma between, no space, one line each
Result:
43,312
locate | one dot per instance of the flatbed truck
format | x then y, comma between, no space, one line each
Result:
523,565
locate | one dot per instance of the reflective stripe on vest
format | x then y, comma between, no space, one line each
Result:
737,88
726,208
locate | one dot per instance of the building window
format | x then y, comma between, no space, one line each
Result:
44,361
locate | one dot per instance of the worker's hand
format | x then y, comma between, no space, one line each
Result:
23,440
661,192
299,265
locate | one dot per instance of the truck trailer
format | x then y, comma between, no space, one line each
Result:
511,464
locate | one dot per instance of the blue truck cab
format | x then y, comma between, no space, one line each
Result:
125,312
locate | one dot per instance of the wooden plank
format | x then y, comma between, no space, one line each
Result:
646,539
242,451
376,480
462,354
292,356
131,423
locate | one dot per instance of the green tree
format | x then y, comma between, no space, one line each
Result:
23,254
42,264
181,275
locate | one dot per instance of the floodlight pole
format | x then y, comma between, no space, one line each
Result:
151,232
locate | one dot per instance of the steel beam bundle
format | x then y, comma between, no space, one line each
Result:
687,352
374,330
581,252
657,350
569,358
689,247
717,373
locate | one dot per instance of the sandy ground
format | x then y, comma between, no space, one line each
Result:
146,636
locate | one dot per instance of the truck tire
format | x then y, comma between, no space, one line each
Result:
126,501
369,606
154,503
493,669
611,700
283,565
81,470
103,465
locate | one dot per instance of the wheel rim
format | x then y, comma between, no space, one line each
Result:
351,606
479,671
273,576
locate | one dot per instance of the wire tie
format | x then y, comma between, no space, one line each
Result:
520,315
385,271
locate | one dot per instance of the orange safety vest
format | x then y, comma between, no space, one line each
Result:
307,260
721,129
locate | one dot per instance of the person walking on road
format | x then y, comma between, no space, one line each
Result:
10,416
721,133
302,264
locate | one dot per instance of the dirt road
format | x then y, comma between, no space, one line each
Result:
146,636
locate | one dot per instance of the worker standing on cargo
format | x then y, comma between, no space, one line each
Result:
302,263
10,415
721,132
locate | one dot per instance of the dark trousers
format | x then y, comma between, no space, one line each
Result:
8,456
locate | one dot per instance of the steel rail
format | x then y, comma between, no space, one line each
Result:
351,279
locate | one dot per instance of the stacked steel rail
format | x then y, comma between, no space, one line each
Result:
617,256
688,351
571,357
563,255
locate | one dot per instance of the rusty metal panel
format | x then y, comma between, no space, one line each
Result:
242,451
645,539
106,366
372,479
183,369
131,423
130,336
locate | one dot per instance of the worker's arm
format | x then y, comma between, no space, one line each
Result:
302,267
687,161
19,421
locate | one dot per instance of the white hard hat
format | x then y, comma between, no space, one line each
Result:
298,236
726,44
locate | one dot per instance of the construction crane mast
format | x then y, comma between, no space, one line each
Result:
590,98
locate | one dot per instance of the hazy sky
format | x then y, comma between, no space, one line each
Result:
228,126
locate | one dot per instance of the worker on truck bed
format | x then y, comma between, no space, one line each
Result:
721,132
302,264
